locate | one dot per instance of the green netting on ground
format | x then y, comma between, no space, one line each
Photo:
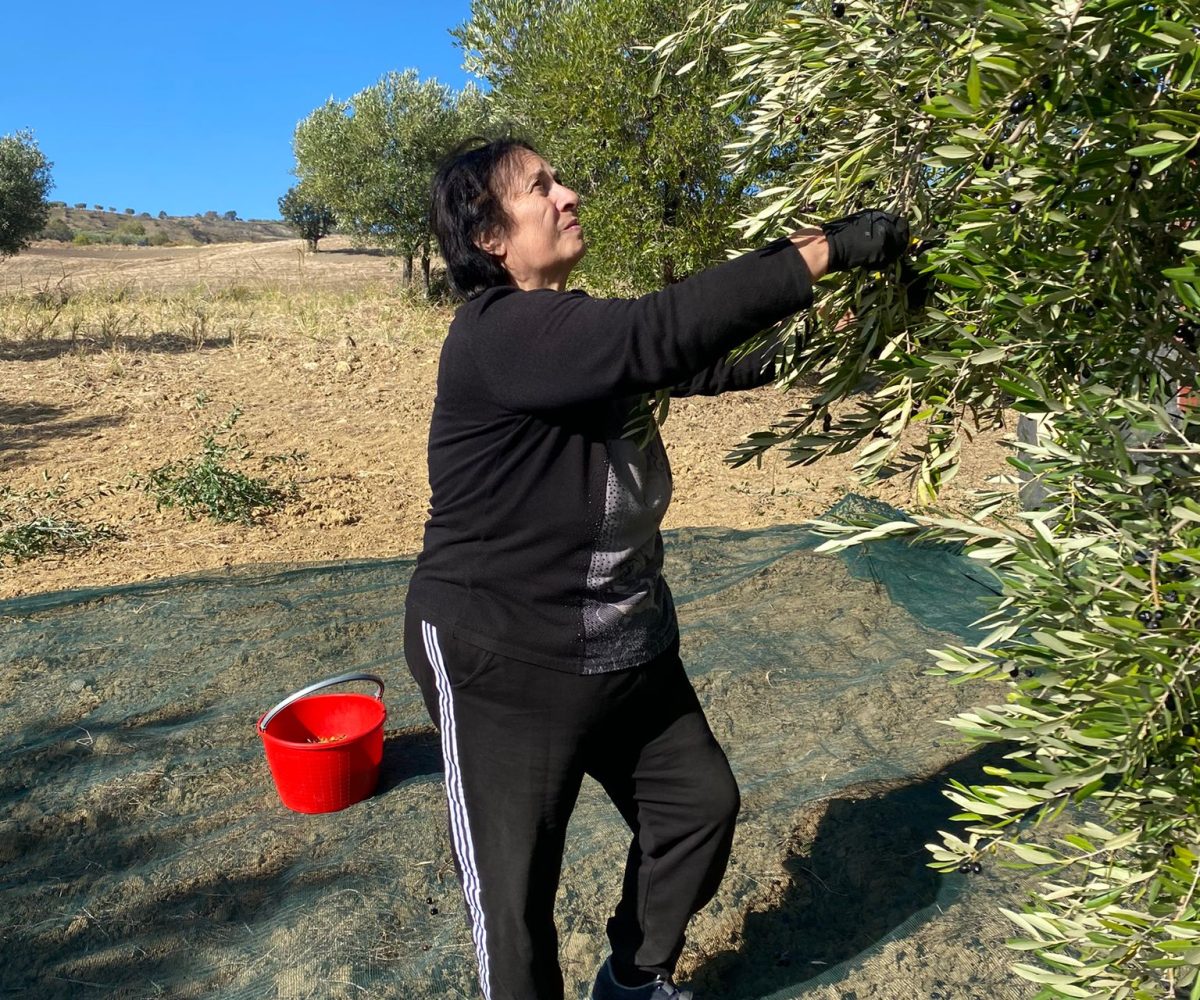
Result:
145,852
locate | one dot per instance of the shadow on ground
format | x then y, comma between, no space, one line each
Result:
408,754
29,425
855,878
166,342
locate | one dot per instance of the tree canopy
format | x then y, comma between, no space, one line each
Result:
641,147
24,184
306,214
371,158
1047,156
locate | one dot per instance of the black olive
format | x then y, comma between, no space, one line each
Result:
1141,558
826,423
1029,100
1095,254
1027,672
1159,614
890,31
1014,207
868,184
1015,673
433,911
425,947
1143,616
989,161
1135,169
1172,597
1016,107
964,867
1045,81
798,120
1153,625
976,867
429,900
839,10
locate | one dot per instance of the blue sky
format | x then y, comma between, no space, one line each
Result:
190,107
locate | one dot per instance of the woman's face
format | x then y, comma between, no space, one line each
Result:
543,240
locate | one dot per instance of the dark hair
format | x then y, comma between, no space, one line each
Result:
466,205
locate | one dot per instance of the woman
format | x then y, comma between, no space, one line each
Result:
538,625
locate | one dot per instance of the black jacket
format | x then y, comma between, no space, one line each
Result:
542,542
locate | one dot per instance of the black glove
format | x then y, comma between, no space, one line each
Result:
870,238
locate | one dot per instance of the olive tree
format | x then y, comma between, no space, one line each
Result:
371,158
24,184
1047,157
641,145
307,215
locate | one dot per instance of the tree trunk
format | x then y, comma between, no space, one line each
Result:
406,278
425,263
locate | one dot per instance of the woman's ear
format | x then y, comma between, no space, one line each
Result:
492,243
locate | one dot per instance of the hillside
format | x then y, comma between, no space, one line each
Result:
91,225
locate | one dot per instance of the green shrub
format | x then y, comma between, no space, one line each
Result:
36,523
57,229
210,484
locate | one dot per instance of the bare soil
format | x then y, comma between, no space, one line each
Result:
348,382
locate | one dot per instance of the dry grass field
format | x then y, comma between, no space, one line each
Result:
113,361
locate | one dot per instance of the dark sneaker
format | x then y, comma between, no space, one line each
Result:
607,988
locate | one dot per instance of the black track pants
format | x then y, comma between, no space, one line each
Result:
517,740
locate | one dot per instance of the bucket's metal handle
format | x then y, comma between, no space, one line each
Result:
328,682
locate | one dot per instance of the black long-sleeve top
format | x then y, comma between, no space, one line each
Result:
543,540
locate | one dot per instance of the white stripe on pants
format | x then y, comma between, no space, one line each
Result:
460,827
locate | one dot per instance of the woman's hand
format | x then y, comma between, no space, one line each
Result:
814,248
870,238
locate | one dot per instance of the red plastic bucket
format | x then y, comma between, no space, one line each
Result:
324,750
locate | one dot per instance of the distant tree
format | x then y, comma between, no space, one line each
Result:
143,215
162,215
81,204
98,208
129,211
57,204
231,216
24,181
111,209
210,214
306,214
371,158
